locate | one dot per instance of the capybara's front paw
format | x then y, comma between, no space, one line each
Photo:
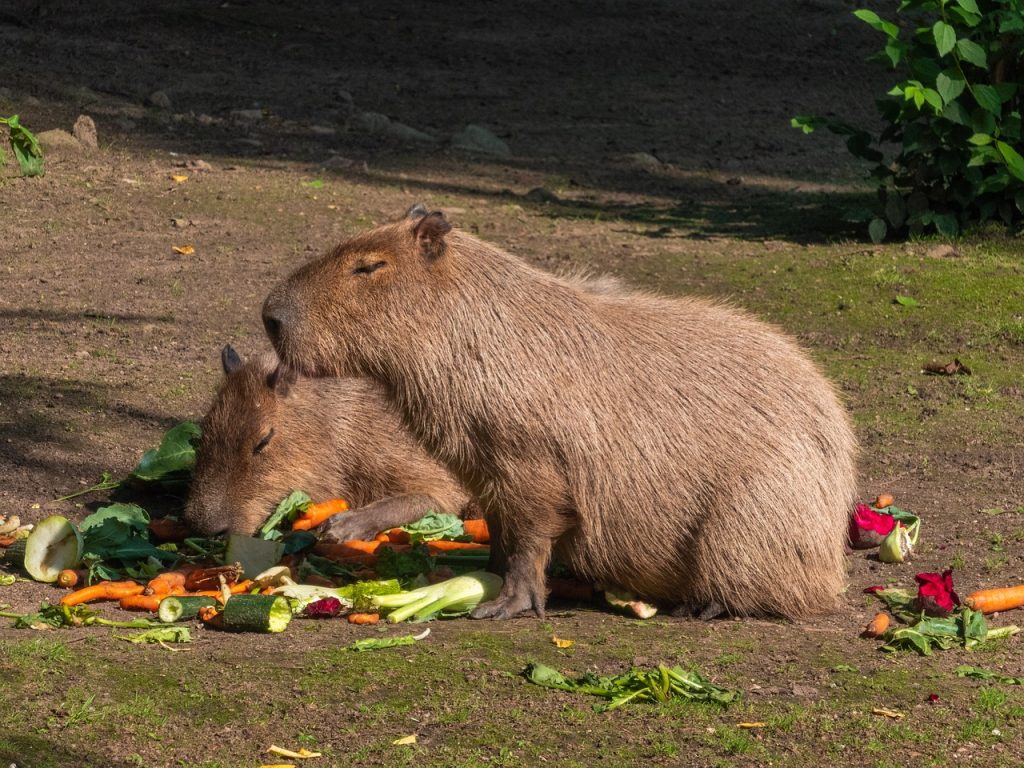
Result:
347,527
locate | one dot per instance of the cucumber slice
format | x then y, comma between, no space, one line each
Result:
53,545
181,608
256,613
254,555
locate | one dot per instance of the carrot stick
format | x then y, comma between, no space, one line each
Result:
244,586
363,618
316,514
478,530
440,546
398,536
69,577
877,626
141,603
165,529
382,537
104,590
163,583
994,600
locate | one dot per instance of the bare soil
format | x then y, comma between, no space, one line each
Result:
109,336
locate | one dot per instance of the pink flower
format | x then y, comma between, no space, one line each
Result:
324,608
868,528
935,594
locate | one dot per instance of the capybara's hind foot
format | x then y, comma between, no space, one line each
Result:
701,612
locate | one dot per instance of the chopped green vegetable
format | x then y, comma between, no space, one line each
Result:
159,635
376,643
436,526
393,564
984,674
293,505
256,613
54,544
964,629
454,597
55,616
116,544
360,595
636,685
173,460
6,579
254,555
174,609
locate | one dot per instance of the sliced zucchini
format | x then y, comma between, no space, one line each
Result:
182,608
256,613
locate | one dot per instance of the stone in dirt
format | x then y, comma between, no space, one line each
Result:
371,122
85,131
58,140
476,138
159,99
643,161
405,132
944,251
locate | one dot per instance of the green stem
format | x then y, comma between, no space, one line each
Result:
106,484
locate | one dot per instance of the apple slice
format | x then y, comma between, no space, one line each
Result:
53,545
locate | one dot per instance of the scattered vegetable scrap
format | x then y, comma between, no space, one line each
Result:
302,754
377,643
890,713
996,600
655,685
454,597
561,642
946,369
877,626
410,739
984,674
893,530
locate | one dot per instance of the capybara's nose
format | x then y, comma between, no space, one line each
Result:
274,319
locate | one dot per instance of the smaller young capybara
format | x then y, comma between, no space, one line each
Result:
267,434
675,447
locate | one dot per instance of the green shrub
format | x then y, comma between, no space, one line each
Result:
956,117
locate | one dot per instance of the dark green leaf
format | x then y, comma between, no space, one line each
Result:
394,564
949,84
945,37
968,5
874,20
946,224
877,229
968,18
972,52
159,635
435,526
25,146
896,50
988,99
1012,24
293,505
980,139
907,301
1013,159
984,674
174,458
895,211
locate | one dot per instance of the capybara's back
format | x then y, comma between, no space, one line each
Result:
679,448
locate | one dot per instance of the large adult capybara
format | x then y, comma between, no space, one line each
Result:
268,433
678,448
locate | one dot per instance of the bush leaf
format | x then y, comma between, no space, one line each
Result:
945,37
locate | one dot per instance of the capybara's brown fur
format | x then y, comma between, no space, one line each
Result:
678,448
264,437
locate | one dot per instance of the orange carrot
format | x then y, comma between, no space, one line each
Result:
211,616
440,547
398,536
883,500
316,514
141,603
995,600
209,578
163,583
6,541
69,577
877,626
165,529
104,590
382,537
244,586
570,589
478,530
363,618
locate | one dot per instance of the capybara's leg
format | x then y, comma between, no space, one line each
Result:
368,521
523,589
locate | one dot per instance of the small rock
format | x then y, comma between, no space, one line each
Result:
734,181
159,99
196,164
371,122
643,161
805,691
337,162
322,130
944,251
247,115
404,132
57,140
205,119
541,195
85,131
476,138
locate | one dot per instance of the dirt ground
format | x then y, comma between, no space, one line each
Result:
647,139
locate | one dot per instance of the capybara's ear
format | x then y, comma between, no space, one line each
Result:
417,212
230,359
430,234
281,379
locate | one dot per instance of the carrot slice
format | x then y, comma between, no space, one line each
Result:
317,514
